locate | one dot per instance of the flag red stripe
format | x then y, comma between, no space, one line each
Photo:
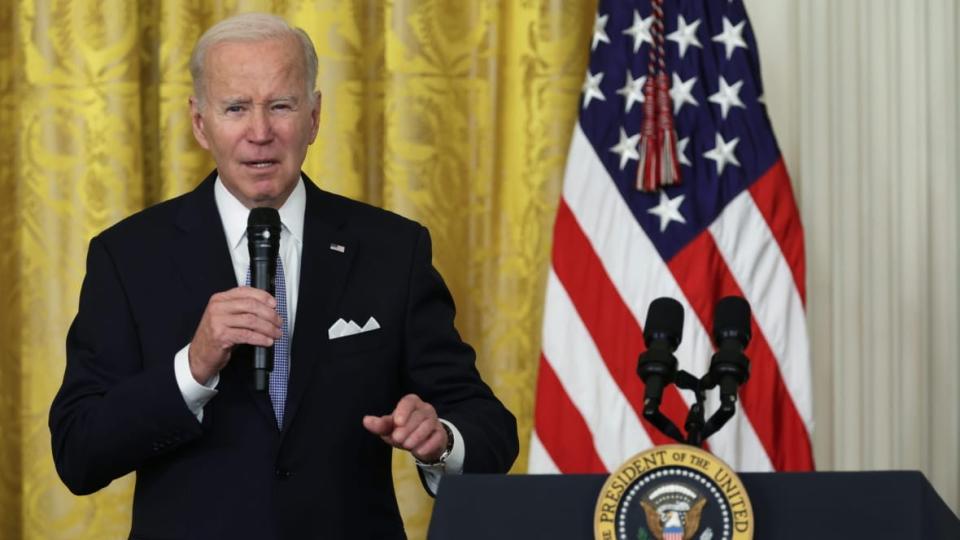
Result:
561,427
704,277
774,198
616,333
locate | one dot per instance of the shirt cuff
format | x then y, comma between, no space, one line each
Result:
196,395
453,465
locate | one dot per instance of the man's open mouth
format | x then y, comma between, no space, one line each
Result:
260,164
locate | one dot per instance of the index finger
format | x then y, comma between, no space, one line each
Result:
251,293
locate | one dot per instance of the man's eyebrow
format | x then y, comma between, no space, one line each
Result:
235,101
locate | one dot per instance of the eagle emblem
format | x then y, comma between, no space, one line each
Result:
673,512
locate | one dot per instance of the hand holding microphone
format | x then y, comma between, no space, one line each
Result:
242,315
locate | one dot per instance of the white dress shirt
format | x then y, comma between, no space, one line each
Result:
233,215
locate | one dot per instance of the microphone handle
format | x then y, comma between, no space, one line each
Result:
262,277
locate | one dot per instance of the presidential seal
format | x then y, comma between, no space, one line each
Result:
673,492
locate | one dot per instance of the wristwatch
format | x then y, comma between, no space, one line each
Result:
441,461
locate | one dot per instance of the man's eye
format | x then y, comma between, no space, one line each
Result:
234,109
282,107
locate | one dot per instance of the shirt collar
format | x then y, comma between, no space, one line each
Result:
234,214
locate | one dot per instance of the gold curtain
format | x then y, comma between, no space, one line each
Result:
456,113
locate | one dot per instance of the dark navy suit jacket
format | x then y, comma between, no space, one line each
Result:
235,475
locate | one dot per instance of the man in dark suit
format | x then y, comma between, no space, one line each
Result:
159,379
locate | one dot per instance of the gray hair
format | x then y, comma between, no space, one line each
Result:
251,27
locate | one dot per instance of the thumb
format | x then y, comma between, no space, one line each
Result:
378,425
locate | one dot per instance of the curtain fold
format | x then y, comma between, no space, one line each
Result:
455,113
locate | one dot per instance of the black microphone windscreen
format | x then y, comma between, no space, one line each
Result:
263,216
731,320
664,321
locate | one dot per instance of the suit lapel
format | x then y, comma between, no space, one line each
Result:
204,262
328,252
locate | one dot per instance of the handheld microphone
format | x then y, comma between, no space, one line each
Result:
263,241
731,333
657,366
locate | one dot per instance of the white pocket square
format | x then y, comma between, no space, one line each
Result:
343,328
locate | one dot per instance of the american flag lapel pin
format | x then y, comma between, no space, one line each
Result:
338,248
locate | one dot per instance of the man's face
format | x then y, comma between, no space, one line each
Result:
256,118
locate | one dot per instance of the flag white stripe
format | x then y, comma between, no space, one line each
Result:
539,460
754,258
640,275
570,350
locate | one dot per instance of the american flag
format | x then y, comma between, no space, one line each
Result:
731,227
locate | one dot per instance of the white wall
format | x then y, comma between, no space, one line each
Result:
863,97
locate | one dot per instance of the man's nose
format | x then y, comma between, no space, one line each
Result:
260,130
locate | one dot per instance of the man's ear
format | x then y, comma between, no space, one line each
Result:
196,121
315,118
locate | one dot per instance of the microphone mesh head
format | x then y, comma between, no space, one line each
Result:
731,319
263,216
664,321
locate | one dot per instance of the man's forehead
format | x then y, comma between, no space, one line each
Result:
287,44
233,66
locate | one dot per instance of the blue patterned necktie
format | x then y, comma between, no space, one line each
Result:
281,349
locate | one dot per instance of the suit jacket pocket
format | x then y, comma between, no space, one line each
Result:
351,345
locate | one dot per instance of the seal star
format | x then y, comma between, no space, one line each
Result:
722,153
731,37
668,210
627,148
640,30
682,92
727,96
685,35
591,88
632,90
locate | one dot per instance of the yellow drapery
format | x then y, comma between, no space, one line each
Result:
456,113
